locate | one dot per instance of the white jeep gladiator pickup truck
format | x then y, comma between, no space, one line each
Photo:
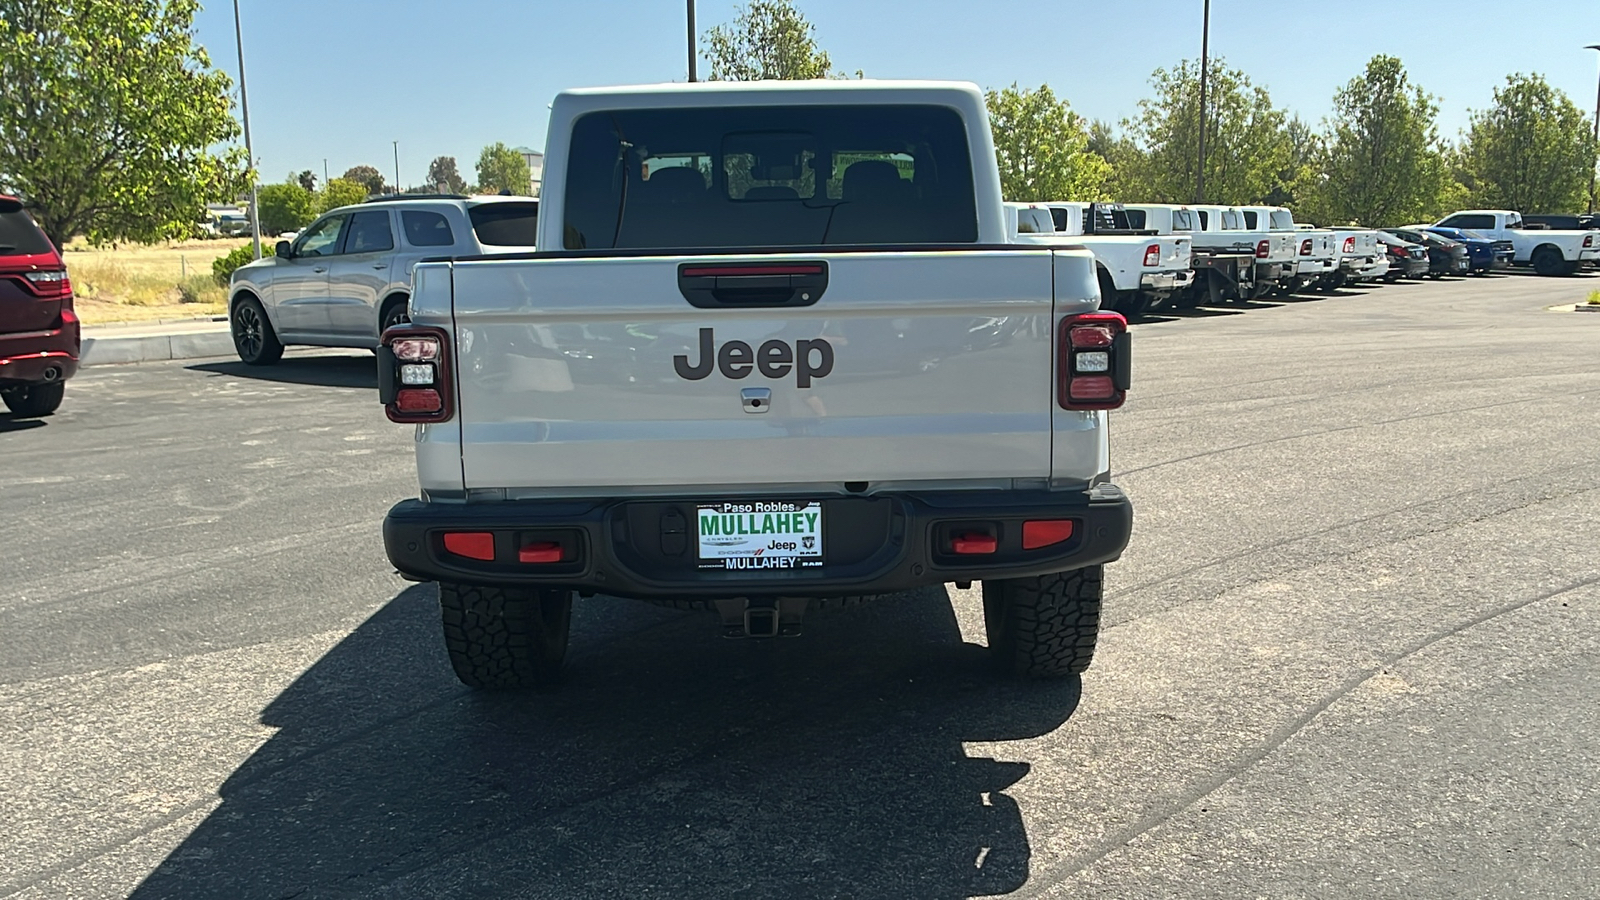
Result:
1548,252
775,348
1137,269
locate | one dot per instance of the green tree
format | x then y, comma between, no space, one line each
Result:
1247,147
285,207
501,168
1383,163
340,192
443,171
111,118
768,40
367,177
1043,147
1301,171
306,179
1125,159
222,267
1531,151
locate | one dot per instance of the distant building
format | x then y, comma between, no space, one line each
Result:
535,161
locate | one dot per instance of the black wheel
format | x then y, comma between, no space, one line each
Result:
1547,261
505,638
395,313
1133,304
34,400
1044,626
253,337
1109,295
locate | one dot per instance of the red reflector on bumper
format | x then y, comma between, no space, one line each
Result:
542,552
418,400
471,544
1044,532
973,544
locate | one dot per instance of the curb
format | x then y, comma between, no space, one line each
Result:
100,351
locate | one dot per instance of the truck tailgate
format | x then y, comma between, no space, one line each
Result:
910,366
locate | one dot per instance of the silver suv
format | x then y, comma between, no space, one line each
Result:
347,276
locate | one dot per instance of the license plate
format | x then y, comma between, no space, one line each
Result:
767,534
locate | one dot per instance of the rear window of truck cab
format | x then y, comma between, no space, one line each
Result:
505,224
769,176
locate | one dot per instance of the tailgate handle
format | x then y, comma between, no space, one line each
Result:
752,285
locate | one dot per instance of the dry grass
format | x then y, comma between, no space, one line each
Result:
139,283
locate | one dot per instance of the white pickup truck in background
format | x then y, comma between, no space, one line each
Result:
1356,255
1230,261
777,346
1548,252
1138,270
1315,259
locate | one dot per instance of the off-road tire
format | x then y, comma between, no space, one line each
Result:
1547,261
505,638
1045,626
253,338
33,401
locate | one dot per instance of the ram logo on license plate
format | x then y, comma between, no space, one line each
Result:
774,534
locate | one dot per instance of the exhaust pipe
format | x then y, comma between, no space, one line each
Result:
52,374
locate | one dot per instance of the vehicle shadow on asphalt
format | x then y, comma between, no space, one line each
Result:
671,763
10,422
1174,314
328,371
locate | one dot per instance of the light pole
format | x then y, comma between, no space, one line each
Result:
1596,135
1205,55
397,167
324,173
692,75
244,105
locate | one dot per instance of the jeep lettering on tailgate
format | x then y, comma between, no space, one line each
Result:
808,359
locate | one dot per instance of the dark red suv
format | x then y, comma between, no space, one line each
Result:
38,329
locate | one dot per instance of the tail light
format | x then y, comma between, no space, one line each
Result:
1305,247
1152,255
414,383
1263,249
1349,245
1588,240
1094,362
49,283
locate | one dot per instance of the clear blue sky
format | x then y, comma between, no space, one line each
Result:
341,79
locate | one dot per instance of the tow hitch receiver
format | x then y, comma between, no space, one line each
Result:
761,618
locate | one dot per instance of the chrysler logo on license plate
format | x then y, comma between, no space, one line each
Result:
771,534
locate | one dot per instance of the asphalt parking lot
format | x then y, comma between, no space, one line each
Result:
1354,650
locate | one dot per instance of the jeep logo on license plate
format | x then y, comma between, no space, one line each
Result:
775,359
771,534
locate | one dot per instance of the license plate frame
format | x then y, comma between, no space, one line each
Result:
759,535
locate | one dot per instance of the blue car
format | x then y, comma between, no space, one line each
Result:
1484,253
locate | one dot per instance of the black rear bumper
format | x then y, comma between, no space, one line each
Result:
647,548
